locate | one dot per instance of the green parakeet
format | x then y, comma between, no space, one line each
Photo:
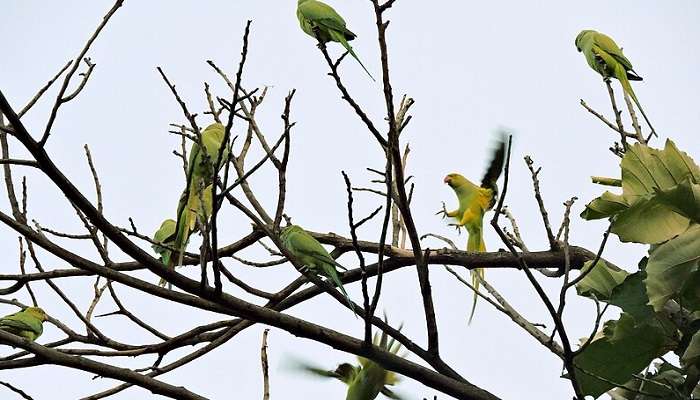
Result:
196,201
606,58
315,15
313,256
26,323
474,201
166,231
364,381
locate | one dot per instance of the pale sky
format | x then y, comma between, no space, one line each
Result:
472,67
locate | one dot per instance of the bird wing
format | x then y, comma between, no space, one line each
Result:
324,15
164,235
21,322
309,368
306,244
608,45
493,172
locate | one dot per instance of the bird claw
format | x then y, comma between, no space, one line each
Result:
443,211
458,227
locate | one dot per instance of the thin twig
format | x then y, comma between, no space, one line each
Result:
540,202
618,114
265,366
559,326
15,389
60,99
43,90
23,271
635,122
353,233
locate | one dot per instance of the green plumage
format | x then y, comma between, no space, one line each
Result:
313,255
27,323
321,21
167,230
366,380
605,57
474,201
196,200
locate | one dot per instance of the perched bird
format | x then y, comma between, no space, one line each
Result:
321,21
313,256
166,230
196,200
474,201
606,58
26,323
364,381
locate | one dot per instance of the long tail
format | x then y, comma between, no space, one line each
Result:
621,75
182,236
333,275
476,243
338,37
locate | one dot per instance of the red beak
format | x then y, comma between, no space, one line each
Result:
447,179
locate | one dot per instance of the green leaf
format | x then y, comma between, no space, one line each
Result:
648,221
655,386
631,297
679,163
692,352
644,170
660,193
671,265
605,206
623,350
683,199
600,282
690,294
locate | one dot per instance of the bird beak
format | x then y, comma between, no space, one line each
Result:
447,179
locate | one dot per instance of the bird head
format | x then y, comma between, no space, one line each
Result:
289,229
345,372
580,37
37,312
454,180
164,234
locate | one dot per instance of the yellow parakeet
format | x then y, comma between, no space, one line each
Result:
474,201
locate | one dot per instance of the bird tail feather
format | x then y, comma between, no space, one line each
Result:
333,275
621,75
339,37
476,243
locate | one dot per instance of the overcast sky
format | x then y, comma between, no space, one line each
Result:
472,67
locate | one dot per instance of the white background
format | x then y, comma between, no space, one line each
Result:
471,66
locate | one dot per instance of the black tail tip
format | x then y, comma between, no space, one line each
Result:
633,76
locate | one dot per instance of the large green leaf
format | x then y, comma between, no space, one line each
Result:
692,352
683,199
679,163
663,384
659,194
605,206
670,265
631,297
623,350
648,221
690,294
643,171
600,282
